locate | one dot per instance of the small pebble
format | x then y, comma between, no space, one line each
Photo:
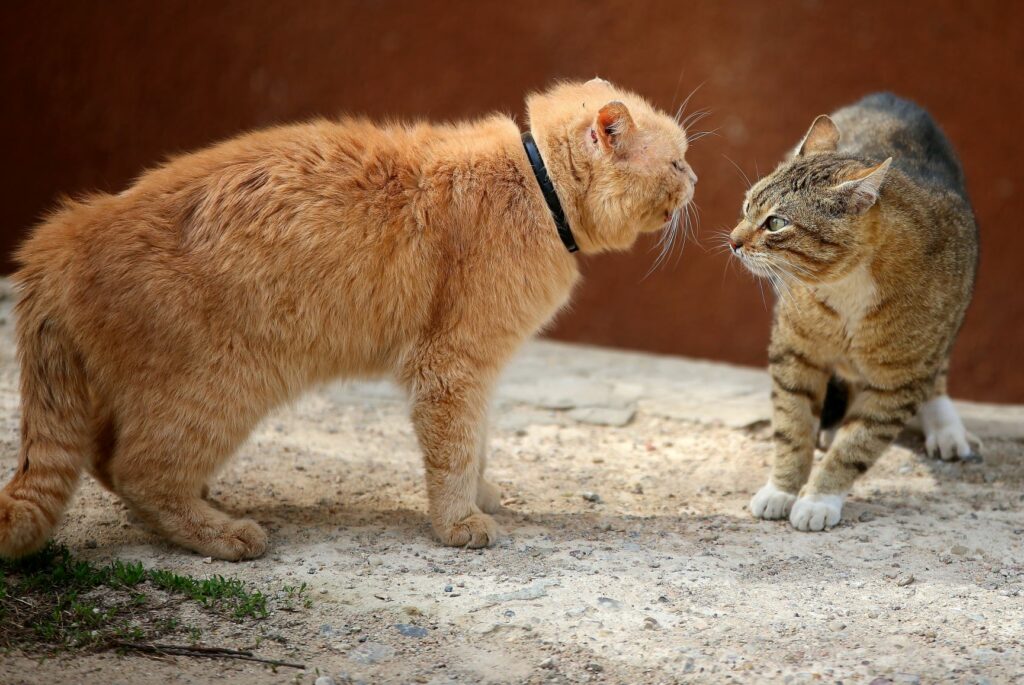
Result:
410,630
448,588
905,579
324,680
549,663
651,623
591,497
371,652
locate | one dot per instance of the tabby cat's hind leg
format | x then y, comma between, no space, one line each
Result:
837,400
944,433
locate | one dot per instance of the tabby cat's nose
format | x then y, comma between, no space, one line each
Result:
735,244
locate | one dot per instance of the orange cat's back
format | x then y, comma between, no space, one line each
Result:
251,239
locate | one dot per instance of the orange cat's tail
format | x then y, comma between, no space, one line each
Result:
55,404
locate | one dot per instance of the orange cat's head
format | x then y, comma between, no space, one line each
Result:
618,164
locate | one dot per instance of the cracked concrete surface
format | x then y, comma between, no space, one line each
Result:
628,557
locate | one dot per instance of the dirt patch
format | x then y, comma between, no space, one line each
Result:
629,555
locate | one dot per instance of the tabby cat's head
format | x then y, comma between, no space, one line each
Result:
618,164
810,220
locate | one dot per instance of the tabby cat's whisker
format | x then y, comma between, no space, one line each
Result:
743,174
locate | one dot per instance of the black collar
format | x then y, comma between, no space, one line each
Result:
547,188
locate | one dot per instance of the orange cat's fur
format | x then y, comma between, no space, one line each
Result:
156,327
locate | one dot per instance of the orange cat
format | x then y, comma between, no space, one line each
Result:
156,327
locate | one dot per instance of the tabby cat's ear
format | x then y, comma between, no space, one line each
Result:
613,127
822,136
862,190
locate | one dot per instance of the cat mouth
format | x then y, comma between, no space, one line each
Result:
755,267
770,269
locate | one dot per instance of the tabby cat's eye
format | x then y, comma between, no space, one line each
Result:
774,223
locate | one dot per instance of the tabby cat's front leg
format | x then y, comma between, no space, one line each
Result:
876,416
798,390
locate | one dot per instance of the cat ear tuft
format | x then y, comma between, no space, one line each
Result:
822,136
614,126
862,190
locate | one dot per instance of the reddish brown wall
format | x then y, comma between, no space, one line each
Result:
93,92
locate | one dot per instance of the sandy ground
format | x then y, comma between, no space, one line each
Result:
629,555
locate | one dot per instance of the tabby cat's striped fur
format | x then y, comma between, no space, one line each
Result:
868,235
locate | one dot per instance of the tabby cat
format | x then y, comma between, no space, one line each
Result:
869,238
157,326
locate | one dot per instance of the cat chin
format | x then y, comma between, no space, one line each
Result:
756,269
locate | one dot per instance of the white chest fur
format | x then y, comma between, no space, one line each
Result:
852,296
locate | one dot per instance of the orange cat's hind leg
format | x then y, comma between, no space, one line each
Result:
164,481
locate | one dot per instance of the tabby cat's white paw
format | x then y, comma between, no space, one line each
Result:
817,512
771,503
944,432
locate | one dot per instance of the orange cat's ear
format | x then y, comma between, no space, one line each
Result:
823,136
613,127
863,189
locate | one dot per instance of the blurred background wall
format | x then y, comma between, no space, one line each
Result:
93,92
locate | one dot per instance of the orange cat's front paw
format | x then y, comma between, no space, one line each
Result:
474,531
